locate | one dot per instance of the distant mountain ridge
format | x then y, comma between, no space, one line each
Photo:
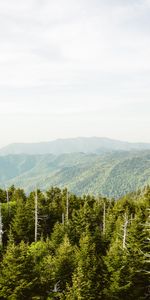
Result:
112,174
73,145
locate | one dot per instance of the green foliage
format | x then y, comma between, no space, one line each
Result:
17,277
87,278
100,252
112,174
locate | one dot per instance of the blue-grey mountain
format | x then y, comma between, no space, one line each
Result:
81,144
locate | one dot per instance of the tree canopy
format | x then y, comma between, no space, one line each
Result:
87,247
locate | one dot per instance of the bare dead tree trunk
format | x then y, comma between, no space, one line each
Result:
131,218
63,218
104,218
67,207
7,199
1,226
125,231
36,215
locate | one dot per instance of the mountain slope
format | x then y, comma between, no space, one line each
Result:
111,174
81,144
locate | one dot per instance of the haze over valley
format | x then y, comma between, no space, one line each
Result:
84,165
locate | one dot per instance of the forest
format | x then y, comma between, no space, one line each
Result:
57,245
111,174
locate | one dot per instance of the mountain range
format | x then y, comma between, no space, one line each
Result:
73,145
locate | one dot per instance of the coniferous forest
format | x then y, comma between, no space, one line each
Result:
56,245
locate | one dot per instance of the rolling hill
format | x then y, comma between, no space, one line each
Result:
111,173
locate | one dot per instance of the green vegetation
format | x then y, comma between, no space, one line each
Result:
86,247
111,174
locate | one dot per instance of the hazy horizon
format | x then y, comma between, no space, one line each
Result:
74,68
77,137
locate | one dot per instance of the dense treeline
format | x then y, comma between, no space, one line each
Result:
82,247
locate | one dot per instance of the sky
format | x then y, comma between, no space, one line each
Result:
74,68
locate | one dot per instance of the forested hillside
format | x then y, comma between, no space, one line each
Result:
56,245
111,174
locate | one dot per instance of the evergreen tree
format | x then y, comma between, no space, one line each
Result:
17,277
20,222
64,263
87,278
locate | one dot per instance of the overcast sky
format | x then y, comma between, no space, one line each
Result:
74,68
